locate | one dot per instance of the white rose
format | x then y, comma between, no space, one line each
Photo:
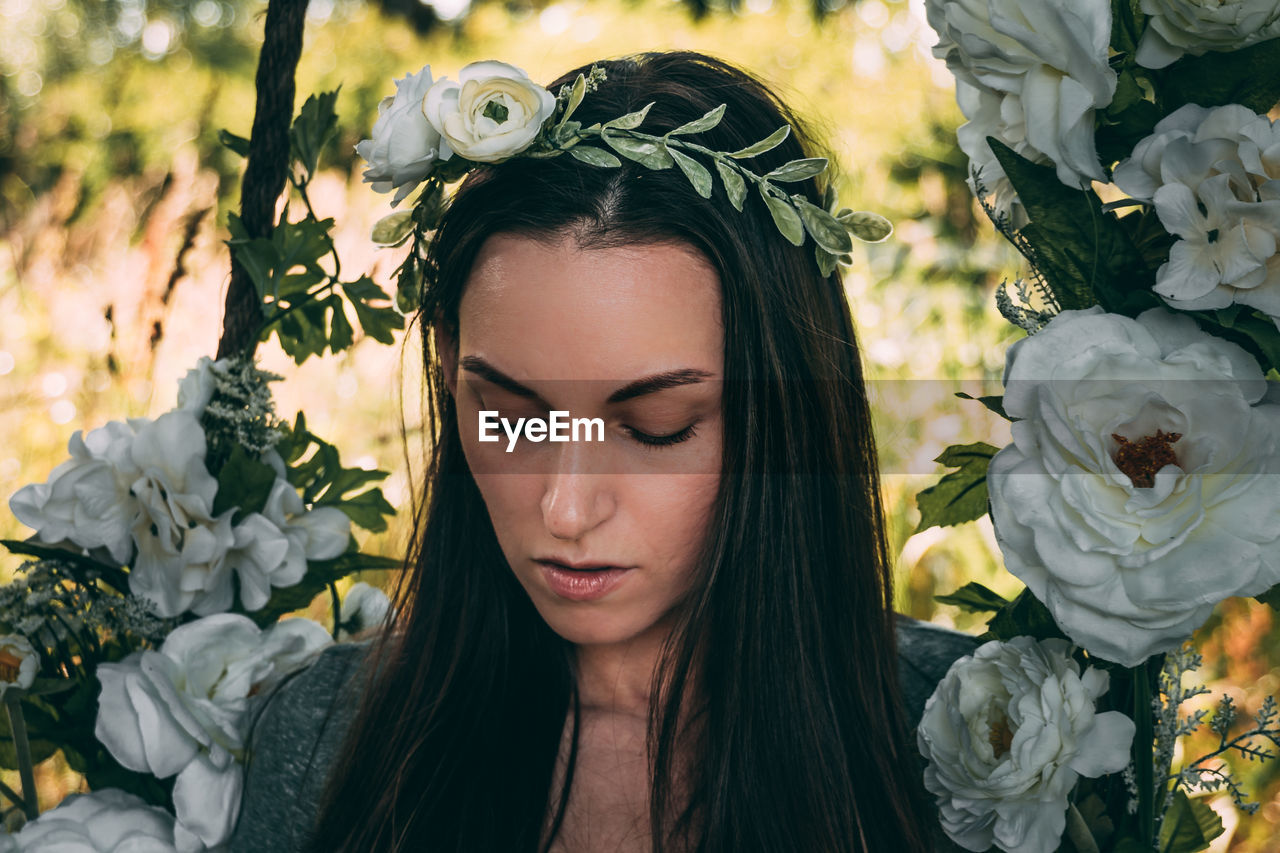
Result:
1141,486
197,387
86,500
1030,75
404,146
1213,176
183,710
1178,27
492,112
182,548
364,607
1007,732
104,821
19,662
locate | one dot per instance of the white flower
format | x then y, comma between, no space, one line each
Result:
1178,27
182,547
1141,486
1214,178
364,607
19,662
86,500
492,112
197,387
404,146
105,821
1007,732
1031,75
183,710
272,547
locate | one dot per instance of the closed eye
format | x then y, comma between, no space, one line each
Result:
662,440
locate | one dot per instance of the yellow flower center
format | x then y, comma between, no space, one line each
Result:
1141,460
1000,737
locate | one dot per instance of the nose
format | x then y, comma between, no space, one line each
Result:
576,500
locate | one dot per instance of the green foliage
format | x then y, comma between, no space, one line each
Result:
1189,825
244,483
975,598
961,495
1024,616
313,129
1250,76
314,467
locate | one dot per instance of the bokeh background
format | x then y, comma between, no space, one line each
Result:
114,194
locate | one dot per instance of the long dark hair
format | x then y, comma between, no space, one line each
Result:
787,641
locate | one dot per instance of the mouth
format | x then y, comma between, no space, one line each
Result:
579,567
582,582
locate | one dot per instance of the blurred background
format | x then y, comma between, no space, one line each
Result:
114,194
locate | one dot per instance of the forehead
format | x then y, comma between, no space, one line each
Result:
556,311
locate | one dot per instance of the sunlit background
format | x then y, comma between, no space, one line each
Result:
114,194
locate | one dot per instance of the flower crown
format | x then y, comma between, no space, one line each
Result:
437,131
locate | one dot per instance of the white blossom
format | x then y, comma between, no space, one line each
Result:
19,662
183,710
364,607
104,821
493,111
1180,27
1007,732
404,146
1141,486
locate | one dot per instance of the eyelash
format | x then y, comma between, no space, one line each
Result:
655,441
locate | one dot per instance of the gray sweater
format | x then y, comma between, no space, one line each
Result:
299,732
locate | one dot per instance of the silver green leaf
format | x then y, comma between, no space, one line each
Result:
694,171
708,121
784,216
630,121
770,142
647,152
594,156
798,170
829,198
826,260
866,226
575,97
393,229
734,186
826,230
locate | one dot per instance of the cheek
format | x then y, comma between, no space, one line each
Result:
676,509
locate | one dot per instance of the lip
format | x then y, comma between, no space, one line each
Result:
582,584
579,567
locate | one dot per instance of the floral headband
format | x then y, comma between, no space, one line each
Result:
437,131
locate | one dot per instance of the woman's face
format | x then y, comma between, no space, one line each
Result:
629,335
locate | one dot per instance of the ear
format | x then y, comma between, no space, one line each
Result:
446,346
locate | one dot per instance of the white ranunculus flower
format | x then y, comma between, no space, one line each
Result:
1031,75
86,500
182,547
183,709
19,662
197,387
404,146
1007,732
364,607
1213,176
492,112
1143,482
104,821
1179,27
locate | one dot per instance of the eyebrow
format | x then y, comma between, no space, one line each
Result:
638,388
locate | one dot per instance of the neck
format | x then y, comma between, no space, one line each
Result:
616,678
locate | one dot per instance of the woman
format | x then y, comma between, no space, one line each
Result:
677,638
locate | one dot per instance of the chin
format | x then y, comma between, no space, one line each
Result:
585,628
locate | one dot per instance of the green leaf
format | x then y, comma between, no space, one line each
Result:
866,226
826,231
647,152
315,469
244,482
394,229
975,598
770,142
1251,329
1250,76
734,186
1085,255
316,124
1189,825
238,144
320,573
961,495
379,322
1024,616
575,97
1271,597
784,216
83,567
994,402
826,261
798,170
694,171
630,121
341,335
367,510
595,156
708,121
